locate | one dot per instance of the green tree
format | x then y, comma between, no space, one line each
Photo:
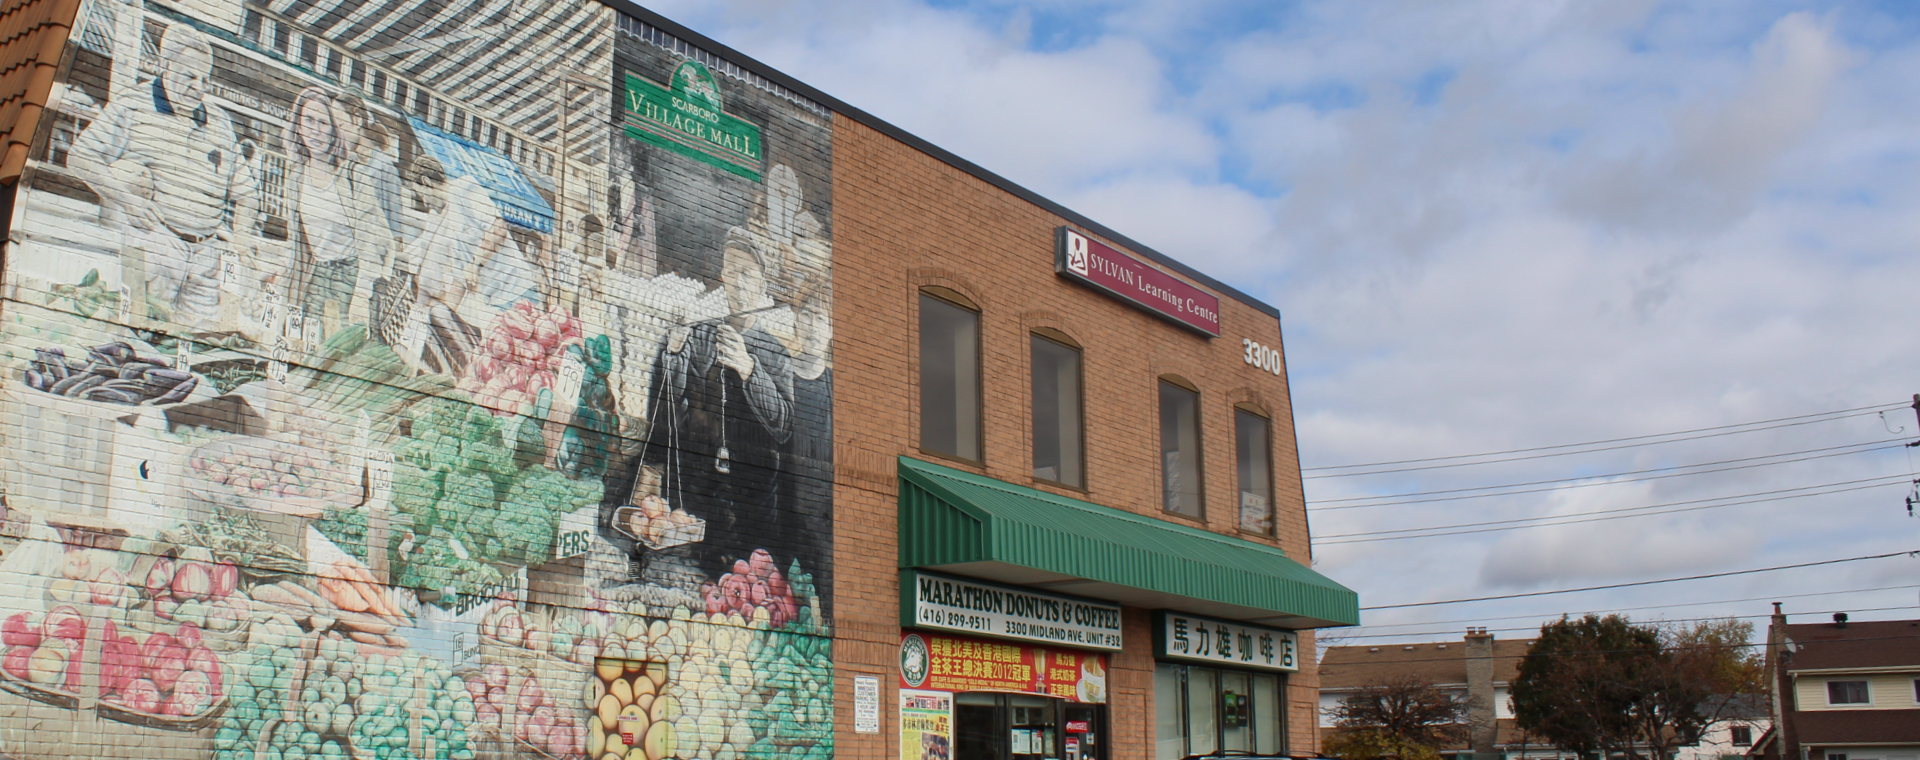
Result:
1404,718
1605,685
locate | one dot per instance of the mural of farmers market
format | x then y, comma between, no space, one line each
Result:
416,380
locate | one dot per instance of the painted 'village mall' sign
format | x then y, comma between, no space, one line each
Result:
1100,266
688,117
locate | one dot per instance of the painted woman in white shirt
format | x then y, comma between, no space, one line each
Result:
328,226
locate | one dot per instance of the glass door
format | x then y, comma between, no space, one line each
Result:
1083,732
1236,725
1004,726
1035,730
978,732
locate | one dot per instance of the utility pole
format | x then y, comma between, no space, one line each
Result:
1913,495
1776,638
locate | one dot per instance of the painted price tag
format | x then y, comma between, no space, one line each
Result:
575,533
380,475
270,313
566,391
277,368
310,336
229,271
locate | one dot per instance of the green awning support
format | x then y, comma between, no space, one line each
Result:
975,525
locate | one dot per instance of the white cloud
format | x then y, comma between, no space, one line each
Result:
1582,554
1489,225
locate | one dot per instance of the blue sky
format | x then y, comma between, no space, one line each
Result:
1490,225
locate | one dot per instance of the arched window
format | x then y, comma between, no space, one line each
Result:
1058,422
949,374
1180,471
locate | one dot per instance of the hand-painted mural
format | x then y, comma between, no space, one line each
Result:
416,379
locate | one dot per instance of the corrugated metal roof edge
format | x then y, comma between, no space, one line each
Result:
922,474
946,156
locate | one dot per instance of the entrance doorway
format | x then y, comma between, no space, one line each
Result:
1002,726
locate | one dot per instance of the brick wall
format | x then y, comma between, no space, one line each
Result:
907,221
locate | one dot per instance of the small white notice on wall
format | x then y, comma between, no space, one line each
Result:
866,705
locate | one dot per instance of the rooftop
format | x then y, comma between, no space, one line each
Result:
1872,644
1440,662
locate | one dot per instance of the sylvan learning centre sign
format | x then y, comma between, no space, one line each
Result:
687,117
1100,266
985,609
1179,636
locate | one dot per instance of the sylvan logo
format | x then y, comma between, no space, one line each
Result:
1077,253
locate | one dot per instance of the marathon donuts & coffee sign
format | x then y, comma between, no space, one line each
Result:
1102,267
984,609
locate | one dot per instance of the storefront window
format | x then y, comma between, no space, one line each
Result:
949,378
1254,454
1005,726
1056,413
1179,449
1203,711
1198,711
1169,720
1266,712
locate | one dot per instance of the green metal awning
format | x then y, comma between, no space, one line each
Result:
974,525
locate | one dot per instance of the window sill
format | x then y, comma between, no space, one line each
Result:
1200,522
1039,481
970,464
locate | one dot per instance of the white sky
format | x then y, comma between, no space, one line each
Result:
1488,225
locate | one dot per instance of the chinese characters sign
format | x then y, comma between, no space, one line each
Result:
954,604
953,663
1097,264
1179,636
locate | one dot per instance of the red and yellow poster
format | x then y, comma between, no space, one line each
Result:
939,662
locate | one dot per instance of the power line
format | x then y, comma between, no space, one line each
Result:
1580,653
1886,443
1772,597
1572,453
1863,409
1610,514
1575,482
1642,583
1670,620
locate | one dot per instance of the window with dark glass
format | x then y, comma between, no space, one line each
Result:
1200,711
1253,452
1740,736
1057,429
949,378
1847,693
1004,726
1179,450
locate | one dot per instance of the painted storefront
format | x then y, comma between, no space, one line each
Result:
415,379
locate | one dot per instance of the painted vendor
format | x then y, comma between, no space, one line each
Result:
167,161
